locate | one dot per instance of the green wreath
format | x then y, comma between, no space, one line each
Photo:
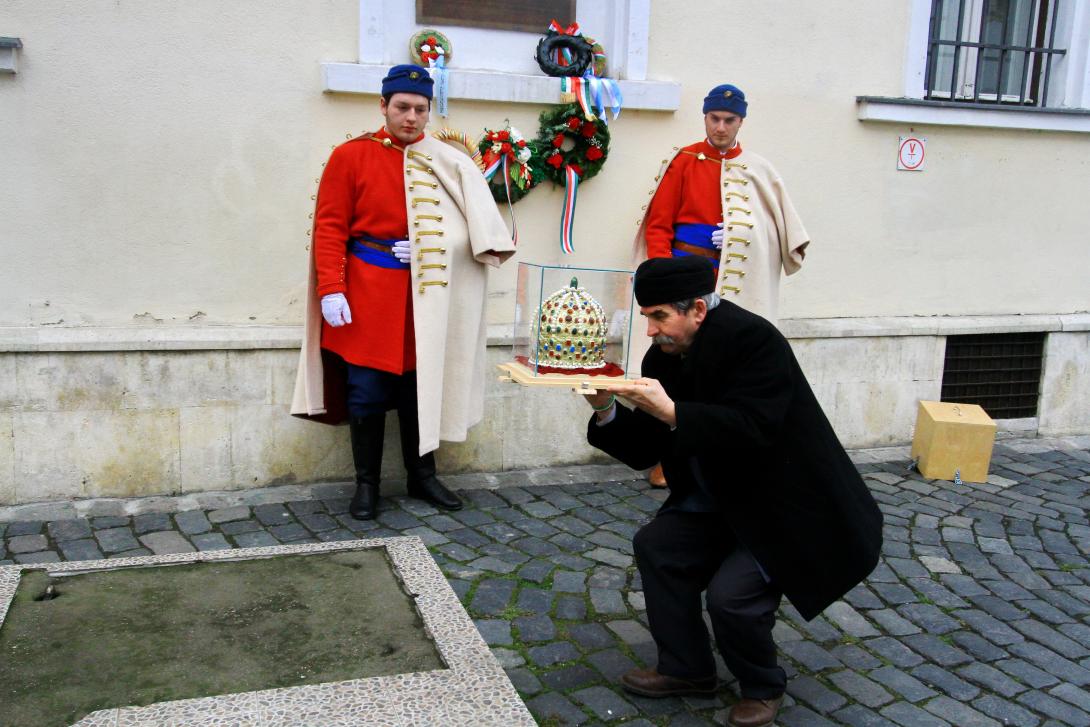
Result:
591,143
524,163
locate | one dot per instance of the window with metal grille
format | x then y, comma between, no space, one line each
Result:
992,51
1001,372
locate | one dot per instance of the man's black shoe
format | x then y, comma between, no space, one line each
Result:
432,490
649,683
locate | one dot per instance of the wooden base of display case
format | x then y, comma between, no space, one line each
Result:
521,374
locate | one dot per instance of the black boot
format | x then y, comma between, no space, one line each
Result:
420,471
367,435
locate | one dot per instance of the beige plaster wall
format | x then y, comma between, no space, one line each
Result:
159,160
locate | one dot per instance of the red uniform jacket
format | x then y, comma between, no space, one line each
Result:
362,193
689,193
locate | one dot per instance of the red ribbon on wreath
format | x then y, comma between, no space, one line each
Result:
563,55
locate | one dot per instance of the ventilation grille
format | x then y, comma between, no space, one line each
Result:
999,371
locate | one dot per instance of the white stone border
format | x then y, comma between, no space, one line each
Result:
472,690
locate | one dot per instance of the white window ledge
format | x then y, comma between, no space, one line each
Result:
498,86
947,113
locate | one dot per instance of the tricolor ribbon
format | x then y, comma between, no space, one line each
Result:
567,217
491,169
578,87
563,55
593,93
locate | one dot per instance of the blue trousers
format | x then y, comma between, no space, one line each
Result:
371,391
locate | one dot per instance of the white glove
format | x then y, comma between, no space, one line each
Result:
717,237
401,251
335,309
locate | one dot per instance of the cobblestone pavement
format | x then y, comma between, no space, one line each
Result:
979,613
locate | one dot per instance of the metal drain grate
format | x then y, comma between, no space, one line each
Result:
999,371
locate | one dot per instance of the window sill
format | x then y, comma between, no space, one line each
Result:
497,86
948,113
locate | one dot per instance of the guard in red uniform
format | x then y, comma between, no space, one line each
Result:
728,206
365,288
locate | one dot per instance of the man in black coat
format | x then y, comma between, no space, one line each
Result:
763,499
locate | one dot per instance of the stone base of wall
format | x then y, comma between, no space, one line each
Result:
110,413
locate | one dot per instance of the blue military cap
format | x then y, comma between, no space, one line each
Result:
726,98
407,78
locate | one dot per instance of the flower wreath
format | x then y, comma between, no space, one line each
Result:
523,169
427,46
591,139
598,55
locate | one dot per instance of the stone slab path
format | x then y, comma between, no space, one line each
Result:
978,614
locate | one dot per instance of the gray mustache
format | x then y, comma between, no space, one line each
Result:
660,339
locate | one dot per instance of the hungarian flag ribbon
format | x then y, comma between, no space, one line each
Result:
578,87
563,55
572,29
567,217
491,169
593,93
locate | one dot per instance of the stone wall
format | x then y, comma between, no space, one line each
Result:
209,411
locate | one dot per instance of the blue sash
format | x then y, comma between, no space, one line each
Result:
372,256
695,235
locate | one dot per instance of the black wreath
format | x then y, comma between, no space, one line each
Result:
581,51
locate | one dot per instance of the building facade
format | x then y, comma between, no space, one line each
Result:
159,165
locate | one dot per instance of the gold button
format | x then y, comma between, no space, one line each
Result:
387,142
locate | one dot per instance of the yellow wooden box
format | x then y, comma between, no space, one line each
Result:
953,438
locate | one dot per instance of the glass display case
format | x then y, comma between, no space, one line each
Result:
572,326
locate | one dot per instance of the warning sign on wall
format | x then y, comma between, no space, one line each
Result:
910,153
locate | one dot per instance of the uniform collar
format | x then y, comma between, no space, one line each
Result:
711,151
382,133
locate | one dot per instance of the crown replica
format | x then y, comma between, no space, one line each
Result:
570,330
